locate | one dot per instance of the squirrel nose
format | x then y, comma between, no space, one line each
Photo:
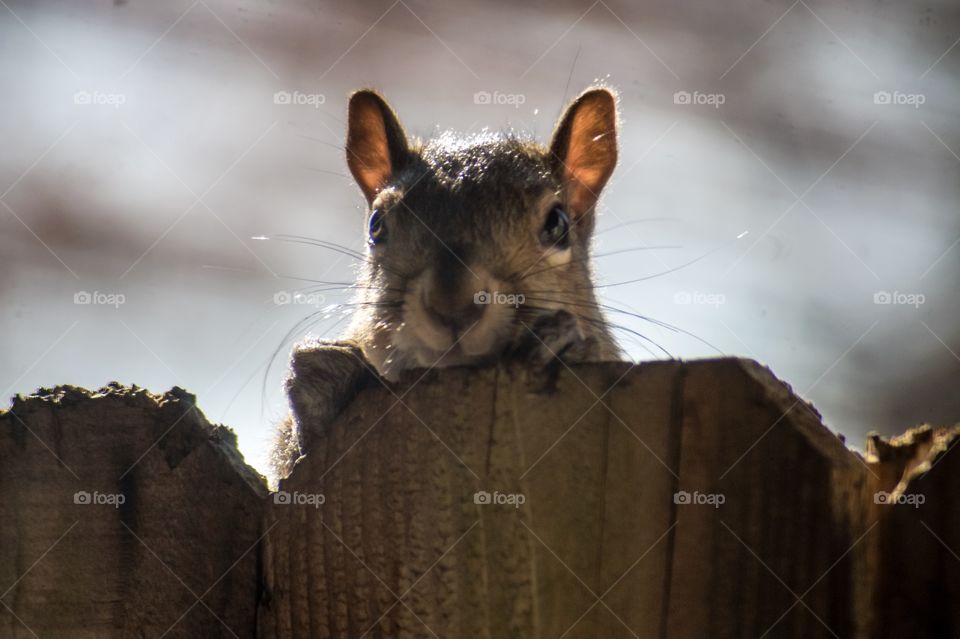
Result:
454,310
449,293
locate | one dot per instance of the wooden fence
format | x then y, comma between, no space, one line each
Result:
669,499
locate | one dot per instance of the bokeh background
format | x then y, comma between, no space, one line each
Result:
790,168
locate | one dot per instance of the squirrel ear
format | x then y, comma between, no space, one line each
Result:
376,143
584,148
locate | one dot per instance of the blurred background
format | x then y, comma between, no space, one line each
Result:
798,163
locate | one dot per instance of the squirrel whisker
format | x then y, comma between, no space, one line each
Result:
597,255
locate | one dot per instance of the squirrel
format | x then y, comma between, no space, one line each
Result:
478,250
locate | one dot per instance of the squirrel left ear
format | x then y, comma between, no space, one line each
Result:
376,143
584,148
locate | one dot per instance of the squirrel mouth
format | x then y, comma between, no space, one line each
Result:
454,350
455,356
451,328
434,345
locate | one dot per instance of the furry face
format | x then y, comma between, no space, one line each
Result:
471,239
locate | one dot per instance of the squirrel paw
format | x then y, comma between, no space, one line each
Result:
325,377
553,340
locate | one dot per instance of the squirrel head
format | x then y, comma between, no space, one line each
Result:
469,238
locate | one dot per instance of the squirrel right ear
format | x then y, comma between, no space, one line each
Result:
583,151
376,143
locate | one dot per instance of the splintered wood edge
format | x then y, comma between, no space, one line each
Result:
801,412
912,454
221,437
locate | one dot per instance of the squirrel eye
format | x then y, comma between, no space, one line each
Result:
556,229
378,228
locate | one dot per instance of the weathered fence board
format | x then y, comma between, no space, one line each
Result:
609,540
917,560
124,515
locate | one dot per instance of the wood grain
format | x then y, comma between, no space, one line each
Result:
76,562
600,546
668,499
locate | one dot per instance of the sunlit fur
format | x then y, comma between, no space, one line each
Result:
471,209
